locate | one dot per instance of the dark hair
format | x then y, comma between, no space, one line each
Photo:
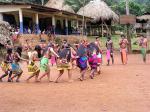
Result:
19,50
123,36
9,51
142,36
97,37
108,37
38,50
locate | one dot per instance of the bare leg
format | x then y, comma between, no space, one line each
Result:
60,74
82,75
92,73
70,75
3,76
36,74
121,57
112,57
19,75
99,69
48,76
44,74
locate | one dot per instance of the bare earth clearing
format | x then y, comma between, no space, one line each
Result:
118,89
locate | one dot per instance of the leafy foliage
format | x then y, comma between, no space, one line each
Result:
137,7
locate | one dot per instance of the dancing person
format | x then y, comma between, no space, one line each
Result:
93,62
16,69
6,68
82,59
6,65
33,69
44,63
123,49
64,62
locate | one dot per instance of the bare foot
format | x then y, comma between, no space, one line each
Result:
70,81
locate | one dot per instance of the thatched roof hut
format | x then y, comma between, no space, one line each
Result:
98,10
59,4
144,17
5,33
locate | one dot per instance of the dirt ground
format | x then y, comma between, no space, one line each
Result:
118,89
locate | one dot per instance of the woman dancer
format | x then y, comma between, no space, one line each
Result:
82,59
64,63
44,64
123,49
6,65
16,69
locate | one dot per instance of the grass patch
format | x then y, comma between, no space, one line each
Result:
115,39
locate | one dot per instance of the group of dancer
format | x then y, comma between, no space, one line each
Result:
84,55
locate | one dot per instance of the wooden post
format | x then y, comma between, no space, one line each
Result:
102,29
128,28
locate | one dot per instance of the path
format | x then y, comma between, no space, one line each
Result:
119,89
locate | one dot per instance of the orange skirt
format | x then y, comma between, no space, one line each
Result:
124,56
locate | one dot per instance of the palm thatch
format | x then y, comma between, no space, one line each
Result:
59,4
4,33
144,17
98,10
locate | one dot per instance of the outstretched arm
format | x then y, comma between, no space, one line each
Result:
52,50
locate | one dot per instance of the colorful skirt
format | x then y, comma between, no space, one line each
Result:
143,52
16,69
124,56
99,58
63,65
108,54
32,68
82,62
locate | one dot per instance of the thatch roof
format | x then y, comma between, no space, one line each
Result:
144,17
59,4
98,10
4,32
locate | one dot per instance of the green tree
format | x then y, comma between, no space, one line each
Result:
77,4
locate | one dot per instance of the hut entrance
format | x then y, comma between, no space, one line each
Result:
69,27
28,24
45,24
9,18
58,27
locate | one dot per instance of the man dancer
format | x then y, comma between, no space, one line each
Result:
143,44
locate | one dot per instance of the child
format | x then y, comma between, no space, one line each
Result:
109,52
99,61
7,70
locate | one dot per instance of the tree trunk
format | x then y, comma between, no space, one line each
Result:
129,39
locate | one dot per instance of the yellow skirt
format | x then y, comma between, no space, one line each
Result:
66,66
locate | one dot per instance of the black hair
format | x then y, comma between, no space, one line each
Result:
38,49
9,51
108,37
123,35
19,50
97,37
